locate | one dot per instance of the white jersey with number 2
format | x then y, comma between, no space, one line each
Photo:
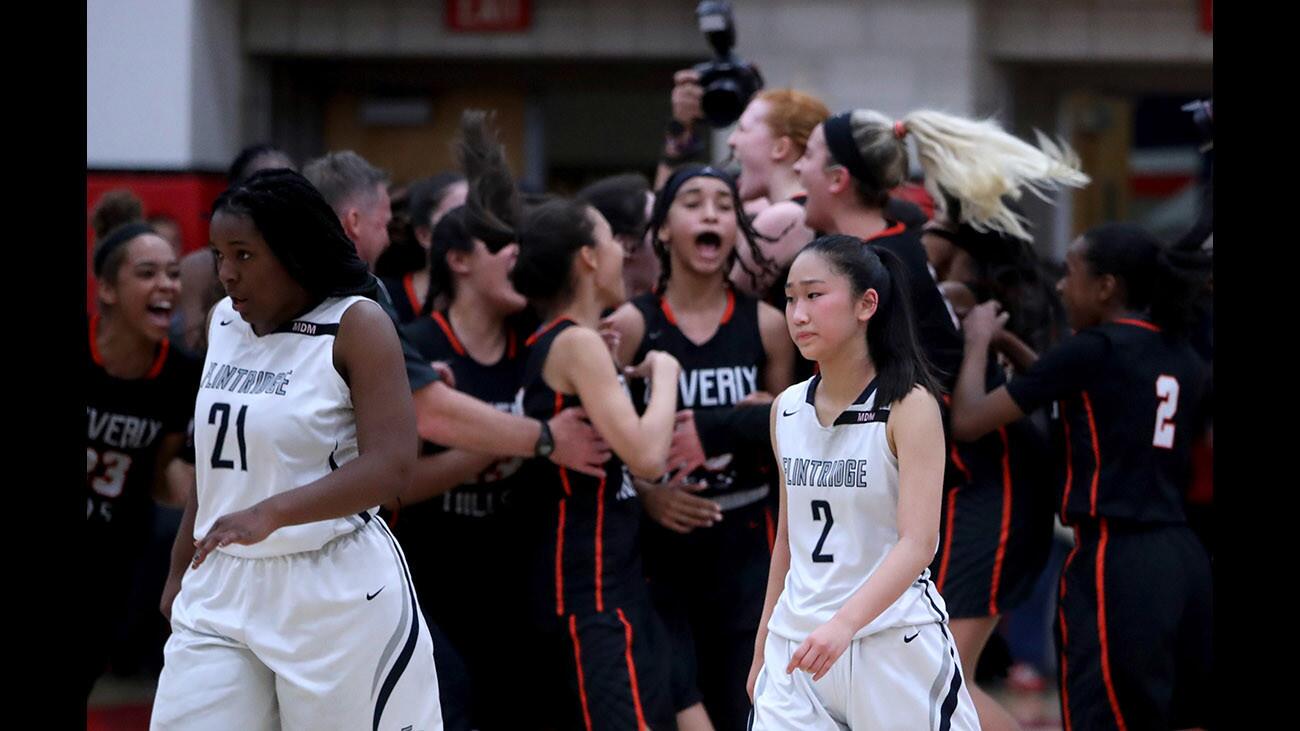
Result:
842,512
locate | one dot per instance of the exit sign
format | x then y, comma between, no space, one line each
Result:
475,16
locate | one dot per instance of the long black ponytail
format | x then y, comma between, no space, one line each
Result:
892,342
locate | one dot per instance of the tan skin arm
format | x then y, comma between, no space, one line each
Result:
182,553
782,227
439,473
580,364
453,419
976,412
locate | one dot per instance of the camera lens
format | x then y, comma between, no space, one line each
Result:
723,102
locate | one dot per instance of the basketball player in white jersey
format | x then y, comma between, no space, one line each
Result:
854,636
297,611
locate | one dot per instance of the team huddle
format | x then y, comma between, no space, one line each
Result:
732,451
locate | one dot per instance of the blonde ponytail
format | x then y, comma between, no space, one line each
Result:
979,163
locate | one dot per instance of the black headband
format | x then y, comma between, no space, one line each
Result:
115,239
664,198
839,140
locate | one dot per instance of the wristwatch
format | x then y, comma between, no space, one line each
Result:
545,442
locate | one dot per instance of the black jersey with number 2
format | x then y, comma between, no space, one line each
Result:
1127,399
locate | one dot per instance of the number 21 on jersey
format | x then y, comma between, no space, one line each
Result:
1167,393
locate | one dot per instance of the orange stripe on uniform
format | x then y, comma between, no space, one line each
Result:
600,544
956,460
897,228
451,335
577,659
631,671
94,346
559,560
771,528
545,329
158,362
559,530
1138,323
668,311
1065,634
1101,628
947,536
1006,521
408,282
1096,455
731,307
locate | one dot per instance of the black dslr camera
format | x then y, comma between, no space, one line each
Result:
728,80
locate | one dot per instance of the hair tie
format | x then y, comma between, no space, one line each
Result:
900,130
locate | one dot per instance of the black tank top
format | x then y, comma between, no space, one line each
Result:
436,532
715,375
126,421
1125,409
585,530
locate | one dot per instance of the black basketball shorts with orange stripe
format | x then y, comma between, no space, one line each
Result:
995,531
615,670
1134,628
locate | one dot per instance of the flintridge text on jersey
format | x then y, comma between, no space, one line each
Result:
234,379
824,472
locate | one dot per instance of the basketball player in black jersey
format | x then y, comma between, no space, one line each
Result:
589,592
139,400
465,549
1134,624
996,528
708,547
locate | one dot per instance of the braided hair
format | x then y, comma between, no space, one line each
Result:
303,232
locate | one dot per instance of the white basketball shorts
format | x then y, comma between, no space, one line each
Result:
325,639
900,679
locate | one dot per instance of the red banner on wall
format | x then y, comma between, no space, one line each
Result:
477,16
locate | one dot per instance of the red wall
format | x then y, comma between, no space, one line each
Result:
185,197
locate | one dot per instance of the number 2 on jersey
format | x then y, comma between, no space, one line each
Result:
1167,391
224,410
820,508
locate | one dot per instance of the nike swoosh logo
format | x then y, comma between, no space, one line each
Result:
372,596
226,322
654,335
909,639
788,413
